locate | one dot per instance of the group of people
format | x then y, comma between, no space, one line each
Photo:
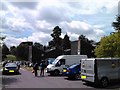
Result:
42,68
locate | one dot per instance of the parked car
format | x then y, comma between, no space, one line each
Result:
10,68
73,71
63,61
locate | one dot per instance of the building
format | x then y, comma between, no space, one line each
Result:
82,47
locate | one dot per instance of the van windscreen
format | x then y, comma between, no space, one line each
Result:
55,61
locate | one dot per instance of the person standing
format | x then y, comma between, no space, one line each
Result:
35,67
42,67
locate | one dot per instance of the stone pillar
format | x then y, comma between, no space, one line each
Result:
79,46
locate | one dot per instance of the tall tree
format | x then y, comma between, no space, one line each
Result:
37,52
56,36
116,24
86,46
5,50
13,50
23,51
66,42
39,46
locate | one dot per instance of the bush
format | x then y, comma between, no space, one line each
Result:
11,57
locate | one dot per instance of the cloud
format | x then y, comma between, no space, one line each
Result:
34,21
76,28
22,5
40,37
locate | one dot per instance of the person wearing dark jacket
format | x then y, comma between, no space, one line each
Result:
35,67
42,67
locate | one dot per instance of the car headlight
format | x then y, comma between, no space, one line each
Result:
5,69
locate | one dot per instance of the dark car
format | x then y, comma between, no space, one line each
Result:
73,71
10,68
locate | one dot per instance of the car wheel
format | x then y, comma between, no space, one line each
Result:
77,76
70,77
104,82
56,72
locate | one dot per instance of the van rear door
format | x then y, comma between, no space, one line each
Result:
87,70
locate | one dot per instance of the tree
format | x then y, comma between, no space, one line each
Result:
1,40
22,51
86,46
66,42
82,37
5,50
57,41
39,46
108,47
116,24
13,50
37,52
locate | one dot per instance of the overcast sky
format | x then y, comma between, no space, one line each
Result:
34,21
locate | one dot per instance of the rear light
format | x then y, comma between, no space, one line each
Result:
68,70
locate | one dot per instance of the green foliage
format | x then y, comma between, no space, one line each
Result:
116,24
5,49
109,46
66,42
13,50
86,46
57,41
22,51
11,57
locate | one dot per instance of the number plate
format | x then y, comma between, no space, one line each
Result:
83,77
11,70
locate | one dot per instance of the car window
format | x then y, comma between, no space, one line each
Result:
11,65
72,66
78,66
62,61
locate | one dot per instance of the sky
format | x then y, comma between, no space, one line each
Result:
34,20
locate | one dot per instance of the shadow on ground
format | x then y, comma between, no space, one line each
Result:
72,79
111,85
9,79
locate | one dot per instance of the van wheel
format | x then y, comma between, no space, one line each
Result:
51,74
104,82
56,72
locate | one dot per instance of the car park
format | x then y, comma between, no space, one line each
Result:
10,68
72,72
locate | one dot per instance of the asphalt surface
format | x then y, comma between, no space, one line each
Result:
27,80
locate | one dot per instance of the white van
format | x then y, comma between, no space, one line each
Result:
63,61
100,71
